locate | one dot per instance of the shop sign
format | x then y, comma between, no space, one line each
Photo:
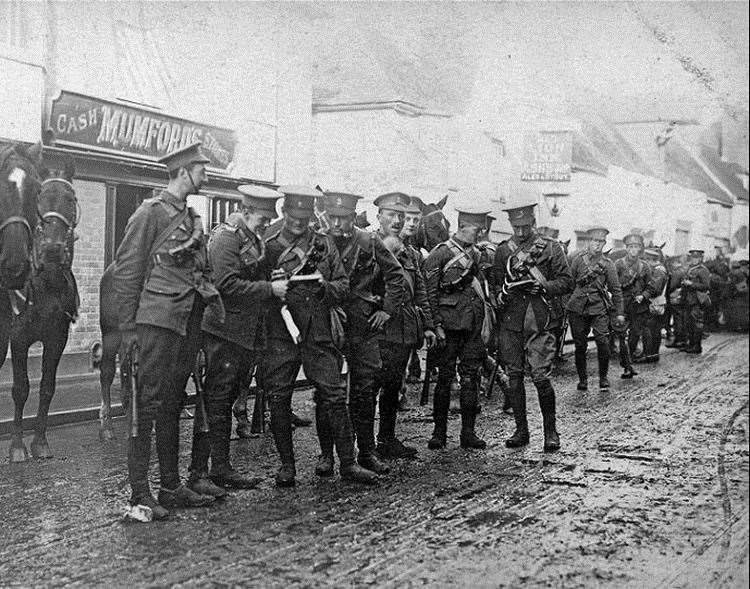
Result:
547,156
113,127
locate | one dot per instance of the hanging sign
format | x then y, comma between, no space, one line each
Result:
113,127
547,156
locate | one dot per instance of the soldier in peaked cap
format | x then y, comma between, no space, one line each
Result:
407,329
463,325
375,295
596,296
635,277
162,282
528,270
655,321
695,299
233,346
295,251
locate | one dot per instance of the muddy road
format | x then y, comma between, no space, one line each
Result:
650,490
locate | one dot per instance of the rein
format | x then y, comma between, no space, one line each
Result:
50,216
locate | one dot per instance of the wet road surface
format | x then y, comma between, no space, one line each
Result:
650,490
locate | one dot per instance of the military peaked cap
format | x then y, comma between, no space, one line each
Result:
394,201
340,203
184,157
299,201
633,238
478,219
598,233
260,198
521,215
417,202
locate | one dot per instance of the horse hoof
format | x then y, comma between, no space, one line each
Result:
41,450
106,434
18,454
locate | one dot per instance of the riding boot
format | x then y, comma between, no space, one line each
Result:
602,353
324,467
281,427
366,456
547,404
338,417
469,400
580,358
625,362
167,448
440,405
520,437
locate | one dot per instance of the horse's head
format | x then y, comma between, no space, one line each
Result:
19,187
59,214
434,228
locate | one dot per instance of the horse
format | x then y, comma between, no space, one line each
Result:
433,228
46,306
20,170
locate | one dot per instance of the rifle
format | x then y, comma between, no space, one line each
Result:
200,403
133,368
563,331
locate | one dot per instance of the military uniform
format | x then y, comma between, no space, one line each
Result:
232,347
403,332
695,300
162,289
654,321
456,295
596,296
370,268
526,320
675,308
308,310
634,276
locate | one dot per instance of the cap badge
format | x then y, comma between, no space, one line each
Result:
518,215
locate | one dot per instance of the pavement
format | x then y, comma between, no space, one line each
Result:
650,489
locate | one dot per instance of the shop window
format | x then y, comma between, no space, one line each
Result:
221,208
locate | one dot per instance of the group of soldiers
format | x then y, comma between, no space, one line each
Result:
348,307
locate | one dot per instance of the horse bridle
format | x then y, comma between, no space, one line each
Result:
51,215
14,218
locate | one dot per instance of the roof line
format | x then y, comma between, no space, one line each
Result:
708,171
400,106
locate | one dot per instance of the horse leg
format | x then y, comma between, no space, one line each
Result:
6,320
19,352
53,349
110,344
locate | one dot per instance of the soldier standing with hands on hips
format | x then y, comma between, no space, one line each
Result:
597,295
163,286
371,268
234,346
529,269
300,333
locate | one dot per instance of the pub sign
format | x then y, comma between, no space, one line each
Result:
547,156
113,127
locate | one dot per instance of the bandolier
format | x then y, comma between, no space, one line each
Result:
371,268
455,289
596,297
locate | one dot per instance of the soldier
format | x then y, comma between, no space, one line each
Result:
412,219
634,275
676,309
695,298
458,301
162,284
597,292
232,348
403,331
371,268
528,269
300,333
655,320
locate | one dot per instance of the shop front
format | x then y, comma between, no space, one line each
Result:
114,146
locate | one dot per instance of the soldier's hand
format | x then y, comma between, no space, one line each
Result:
129,340
687,282
279,288
535,288
378,319
429,339
440,335
620,320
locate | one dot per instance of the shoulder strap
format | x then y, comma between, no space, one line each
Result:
164,235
